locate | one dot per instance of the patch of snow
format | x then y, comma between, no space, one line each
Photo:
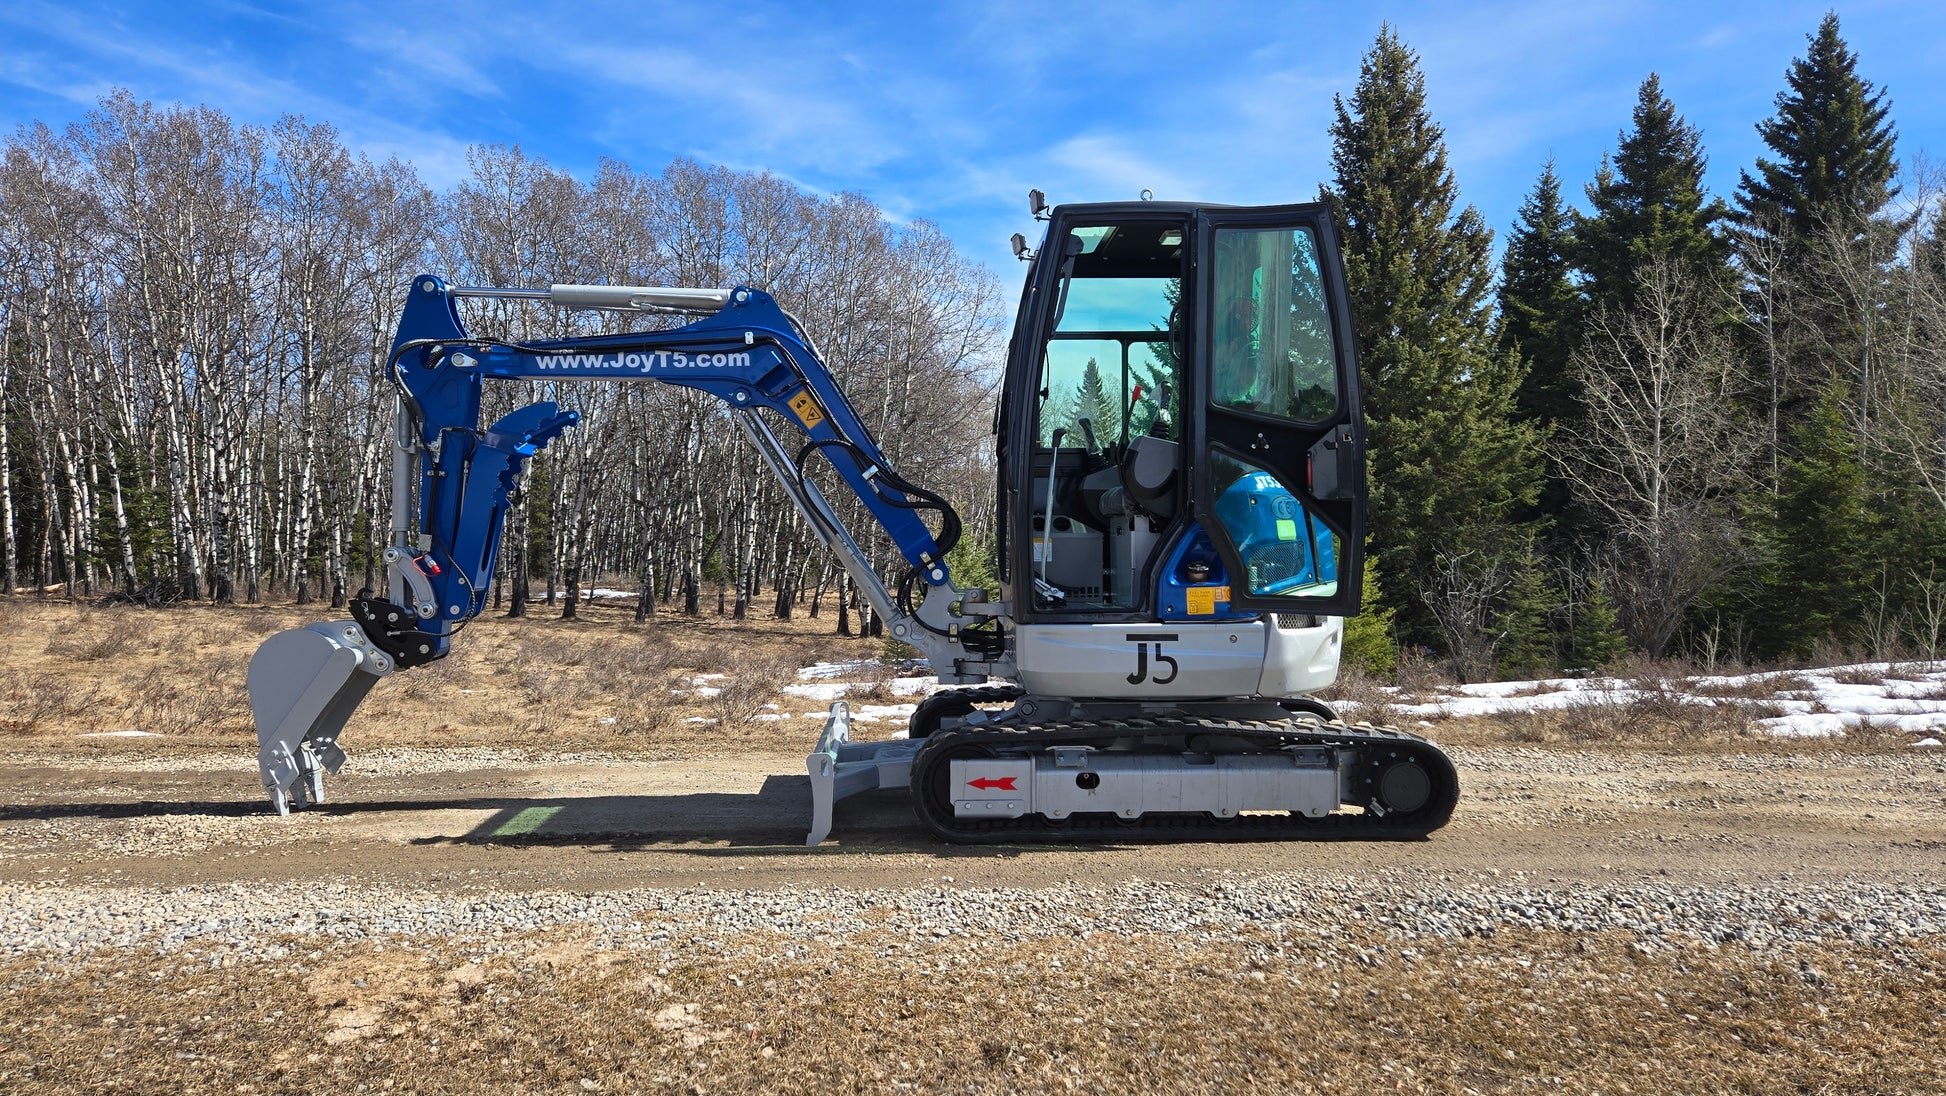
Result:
120,734
1511,688
837,690
826,670
1815,703
1928,742
872,713
1808,725
826,692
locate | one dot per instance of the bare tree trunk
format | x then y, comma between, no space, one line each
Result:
11,563
517,601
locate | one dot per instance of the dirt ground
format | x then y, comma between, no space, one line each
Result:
434,818
1188,967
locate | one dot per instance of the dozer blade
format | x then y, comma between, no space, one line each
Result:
304,684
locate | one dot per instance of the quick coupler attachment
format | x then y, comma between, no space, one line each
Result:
394,629
304,684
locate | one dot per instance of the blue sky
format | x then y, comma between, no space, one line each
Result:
950,112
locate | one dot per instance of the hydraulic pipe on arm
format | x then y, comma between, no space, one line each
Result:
452,481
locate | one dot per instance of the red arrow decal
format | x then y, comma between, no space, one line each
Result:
988,783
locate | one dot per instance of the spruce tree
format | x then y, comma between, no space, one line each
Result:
1526,648
1449,465
1807,226
1368,636
1816,240
1911,556
1823,535
1537,302
1929,253
1095,404
1595,639
1833,143
1648,203
1539,322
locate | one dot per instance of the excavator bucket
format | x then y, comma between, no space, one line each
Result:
304,684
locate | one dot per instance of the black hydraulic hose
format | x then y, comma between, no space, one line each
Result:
950,526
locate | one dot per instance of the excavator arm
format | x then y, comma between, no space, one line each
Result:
452,483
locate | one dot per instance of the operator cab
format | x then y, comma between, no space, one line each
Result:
1183,396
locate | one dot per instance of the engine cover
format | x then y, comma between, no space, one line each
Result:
1176,660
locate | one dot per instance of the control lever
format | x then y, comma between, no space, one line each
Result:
1047,513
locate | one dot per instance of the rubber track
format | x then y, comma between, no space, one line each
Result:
971,698
1376,745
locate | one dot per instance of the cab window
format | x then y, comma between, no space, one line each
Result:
1271,346
1112,358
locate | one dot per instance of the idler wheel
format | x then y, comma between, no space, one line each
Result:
1404,788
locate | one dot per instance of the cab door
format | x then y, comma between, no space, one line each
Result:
1275,430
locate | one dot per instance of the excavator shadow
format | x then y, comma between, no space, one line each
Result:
771,820
108,812
774,817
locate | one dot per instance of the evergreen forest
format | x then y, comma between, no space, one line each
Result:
1669,423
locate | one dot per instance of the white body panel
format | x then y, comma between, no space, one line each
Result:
1132,661
1300,661
1169,661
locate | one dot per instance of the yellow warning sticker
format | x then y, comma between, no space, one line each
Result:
807,409
1203,599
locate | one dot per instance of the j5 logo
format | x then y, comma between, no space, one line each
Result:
1144,641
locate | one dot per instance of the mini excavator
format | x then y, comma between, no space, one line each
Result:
1180,513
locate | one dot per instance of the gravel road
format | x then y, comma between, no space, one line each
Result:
172,848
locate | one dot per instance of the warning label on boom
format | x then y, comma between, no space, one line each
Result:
807,409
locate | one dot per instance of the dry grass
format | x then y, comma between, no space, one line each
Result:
70,669
1361,695
98,635
33,701
1634,713
752,679
1752,688
1516,1012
